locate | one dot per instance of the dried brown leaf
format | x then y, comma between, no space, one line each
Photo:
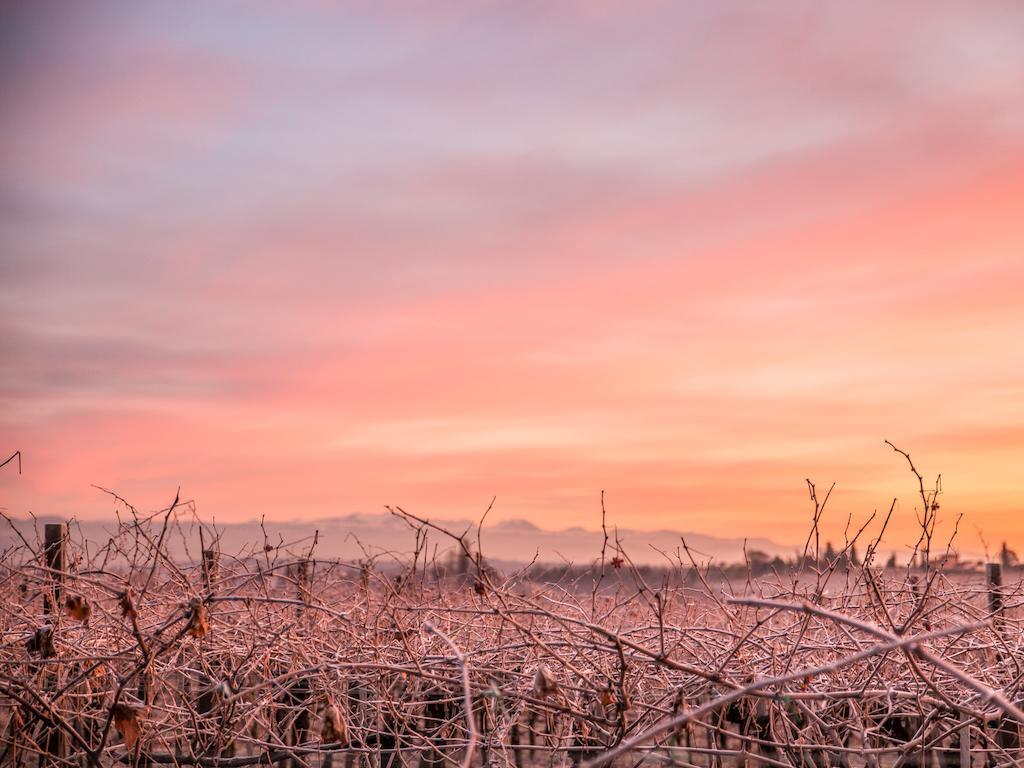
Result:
125,601
335,729
77,607
544,683
126,721
198,621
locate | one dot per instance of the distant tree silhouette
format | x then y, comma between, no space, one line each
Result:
854,557
1007,557
830,553
758,560
891,562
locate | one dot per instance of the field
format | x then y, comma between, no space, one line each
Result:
115,652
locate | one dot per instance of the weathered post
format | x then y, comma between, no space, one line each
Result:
302,579
1007,734
994,574
54,537
294,720
209,568
965,741
206,703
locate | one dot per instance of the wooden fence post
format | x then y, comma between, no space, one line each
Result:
55,535
303,578
294,719
1007,734
206,703
209,568
965,741
53,549
994,574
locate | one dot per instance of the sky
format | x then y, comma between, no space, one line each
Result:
306,259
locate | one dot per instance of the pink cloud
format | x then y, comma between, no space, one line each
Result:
589,279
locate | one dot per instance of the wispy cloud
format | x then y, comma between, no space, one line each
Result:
313,259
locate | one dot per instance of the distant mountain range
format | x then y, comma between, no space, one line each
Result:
513,541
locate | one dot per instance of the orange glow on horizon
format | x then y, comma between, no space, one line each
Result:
308,290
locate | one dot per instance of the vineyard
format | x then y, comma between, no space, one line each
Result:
156,648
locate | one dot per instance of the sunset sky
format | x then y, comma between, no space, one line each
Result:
306,259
